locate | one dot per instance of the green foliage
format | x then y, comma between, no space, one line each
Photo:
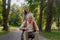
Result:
16,16
56,11
1,12
2,32
54,35
45,11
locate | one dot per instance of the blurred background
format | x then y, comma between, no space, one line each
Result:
46,14
40,10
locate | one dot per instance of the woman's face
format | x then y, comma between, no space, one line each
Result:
27,10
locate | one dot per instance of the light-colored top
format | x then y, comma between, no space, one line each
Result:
29,25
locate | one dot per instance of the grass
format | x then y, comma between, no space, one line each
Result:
12,28
3,32
55,35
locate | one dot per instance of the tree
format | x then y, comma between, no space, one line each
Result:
5,14
43,5
0,12
57,13
41,14
16,15
49,16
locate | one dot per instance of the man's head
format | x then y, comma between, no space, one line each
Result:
30,19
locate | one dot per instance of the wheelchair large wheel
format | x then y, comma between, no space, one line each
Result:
22,37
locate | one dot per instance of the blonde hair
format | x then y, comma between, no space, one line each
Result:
25,13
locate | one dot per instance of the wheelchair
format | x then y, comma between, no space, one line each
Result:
31,35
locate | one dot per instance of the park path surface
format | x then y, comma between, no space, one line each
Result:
16,35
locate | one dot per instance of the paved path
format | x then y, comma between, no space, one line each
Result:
16,35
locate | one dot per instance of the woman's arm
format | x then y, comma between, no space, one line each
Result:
35,27
23,26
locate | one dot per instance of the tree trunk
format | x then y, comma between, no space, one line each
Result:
49,16
58,13
5,14
58,24
40,16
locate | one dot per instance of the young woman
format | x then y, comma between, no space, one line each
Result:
28,25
